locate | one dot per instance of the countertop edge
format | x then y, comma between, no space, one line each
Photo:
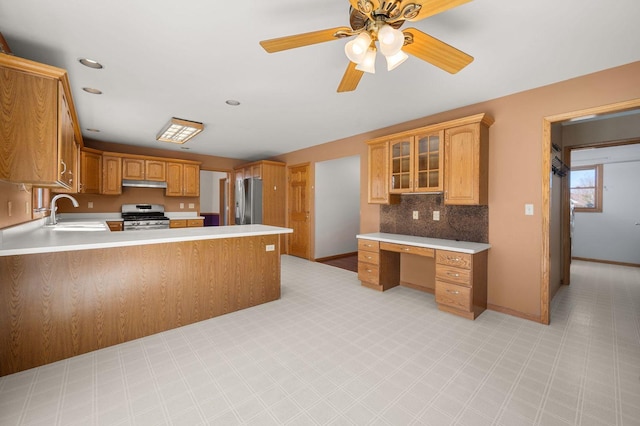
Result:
126,238
427,242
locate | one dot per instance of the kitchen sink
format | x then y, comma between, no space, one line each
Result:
79,226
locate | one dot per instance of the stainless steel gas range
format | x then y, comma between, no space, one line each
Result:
143,217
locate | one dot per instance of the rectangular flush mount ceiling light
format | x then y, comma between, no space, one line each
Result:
179,131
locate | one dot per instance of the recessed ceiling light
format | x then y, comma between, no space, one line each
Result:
93,130
90,63
232,102
92,90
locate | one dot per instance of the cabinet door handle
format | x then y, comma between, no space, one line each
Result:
453,291
406,249
451,274
64,167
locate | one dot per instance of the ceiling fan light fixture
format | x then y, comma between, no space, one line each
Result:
368,64
356,49
394,60
179,131
390,40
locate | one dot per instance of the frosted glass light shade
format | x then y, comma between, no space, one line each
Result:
356,49
368,64
394,60
390,40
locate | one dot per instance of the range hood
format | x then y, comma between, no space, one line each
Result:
144,183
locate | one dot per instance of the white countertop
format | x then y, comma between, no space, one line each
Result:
434,243
35,238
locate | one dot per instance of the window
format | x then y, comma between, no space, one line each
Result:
586,188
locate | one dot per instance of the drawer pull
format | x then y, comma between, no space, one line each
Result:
453,291
453,259
369,257
368,245
369,270
451,274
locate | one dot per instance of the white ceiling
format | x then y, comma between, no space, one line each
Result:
184,59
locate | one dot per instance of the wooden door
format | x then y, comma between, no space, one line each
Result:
111,175
462,166
174,180
90,172
191,186
155,170
299,210
133,168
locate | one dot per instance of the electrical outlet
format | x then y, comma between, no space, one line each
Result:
436,215
415,214
270,247
192,205
182,205
528,209
90,204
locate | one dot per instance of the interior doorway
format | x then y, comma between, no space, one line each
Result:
214,201
547,147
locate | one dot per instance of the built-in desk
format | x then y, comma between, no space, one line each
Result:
460,272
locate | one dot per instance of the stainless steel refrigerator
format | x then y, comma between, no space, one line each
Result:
248,201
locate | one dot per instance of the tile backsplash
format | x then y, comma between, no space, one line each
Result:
464,223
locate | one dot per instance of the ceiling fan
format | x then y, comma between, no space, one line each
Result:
379,20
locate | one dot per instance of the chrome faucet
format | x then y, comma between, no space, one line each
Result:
52,218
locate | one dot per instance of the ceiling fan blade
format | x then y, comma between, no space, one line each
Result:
300,40
350,79
436,52
433,7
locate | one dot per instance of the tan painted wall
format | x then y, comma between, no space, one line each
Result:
515,173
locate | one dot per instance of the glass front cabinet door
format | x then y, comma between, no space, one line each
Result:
416,163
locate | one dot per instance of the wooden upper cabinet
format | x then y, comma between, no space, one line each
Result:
428,162
450,157
183,179
378,175
133,168
143,169
467,164
38,130
90,172
111,175
155,170
191,183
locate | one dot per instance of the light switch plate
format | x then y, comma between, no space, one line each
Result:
415,214
270,247
528,209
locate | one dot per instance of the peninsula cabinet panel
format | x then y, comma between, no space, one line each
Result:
111,175
62,304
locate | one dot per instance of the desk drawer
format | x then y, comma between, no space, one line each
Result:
452,258
369,257
453,295
403,248
455,275
368,273
368,245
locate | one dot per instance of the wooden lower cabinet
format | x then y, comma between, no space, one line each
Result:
115,226
61,304
461,283
460,278
186,223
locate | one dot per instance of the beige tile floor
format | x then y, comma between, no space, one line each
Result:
332,352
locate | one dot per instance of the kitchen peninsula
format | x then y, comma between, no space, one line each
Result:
65,293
